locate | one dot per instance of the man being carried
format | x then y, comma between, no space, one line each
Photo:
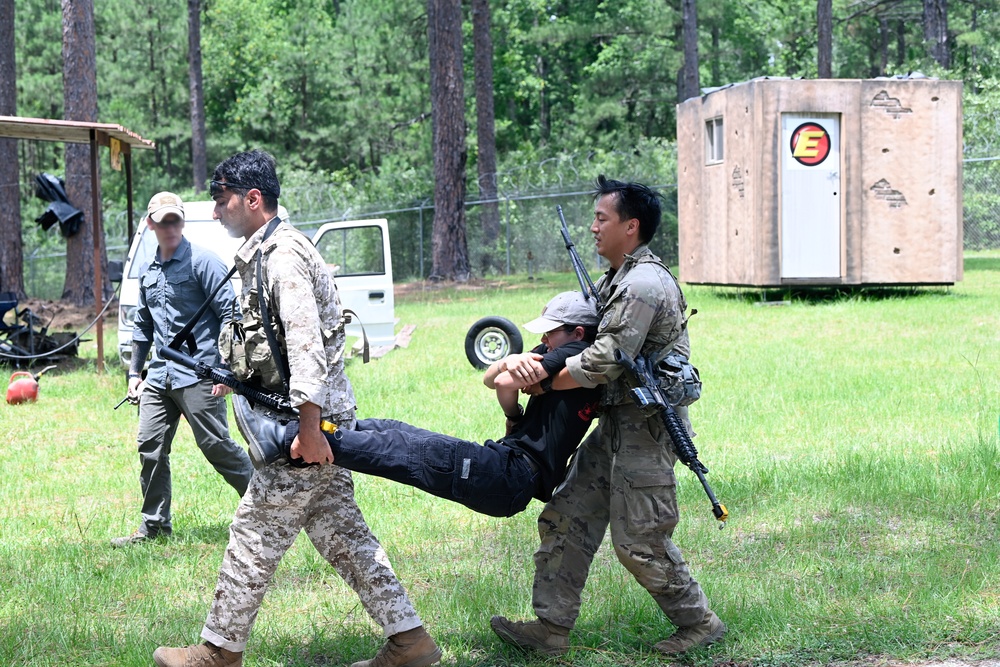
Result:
498,478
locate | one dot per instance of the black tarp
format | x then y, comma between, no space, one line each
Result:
53,189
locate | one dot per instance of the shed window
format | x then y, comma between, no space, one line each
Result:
713,141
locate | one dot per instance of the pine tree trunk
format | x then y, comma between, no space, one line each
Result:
883,35
935,21
690,78
80,103
824,42
489,211
11,250
900,43
450,253
199,166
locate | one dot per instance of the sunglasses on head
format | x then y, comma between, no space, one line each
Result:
217,187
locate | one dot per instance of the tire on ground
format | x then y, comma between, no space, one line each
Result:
491,339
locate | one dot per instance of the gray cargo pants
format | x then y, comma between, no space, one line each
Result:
633,490
160,411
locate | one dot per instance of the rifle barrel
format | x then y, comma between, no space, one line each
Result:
582,276
683,446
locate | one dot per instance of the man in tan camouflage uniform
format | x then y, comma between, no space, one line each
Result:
623,472
282,500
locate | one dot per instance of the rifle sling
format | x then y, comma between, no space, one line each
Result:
184,335
265,314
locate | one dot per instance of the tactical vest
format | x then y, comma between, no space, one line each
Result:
679,379
244,346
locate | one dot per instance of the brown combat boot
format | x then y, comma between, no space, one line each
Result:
199,655
540,635
412,648
709,631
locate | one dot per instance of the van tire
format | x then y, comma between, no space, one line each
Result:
491,339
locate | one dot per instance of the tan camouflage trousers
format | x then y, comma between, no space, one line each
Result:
280,502
633,490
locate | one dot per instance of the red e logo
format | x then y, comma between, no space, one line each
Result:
810,144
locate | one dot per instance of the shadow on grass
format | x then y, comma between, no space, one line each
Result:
212,533
343,646
982,263
776,296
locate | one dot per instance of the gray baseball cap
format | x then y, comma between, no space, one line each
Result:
565,308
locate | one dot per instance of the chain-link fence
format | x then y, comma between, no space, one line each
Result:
528,241
981,203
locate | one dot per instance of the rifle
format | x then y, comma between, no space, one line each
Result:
647,394
273,400
586,284
270,399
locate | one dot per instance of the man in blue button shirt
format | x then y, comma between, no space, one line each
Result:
172,287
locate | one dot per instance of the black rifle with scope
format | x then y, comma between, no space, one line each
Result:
648,394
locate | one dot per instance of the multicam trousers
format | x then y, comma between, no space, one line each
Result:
280,502
623,475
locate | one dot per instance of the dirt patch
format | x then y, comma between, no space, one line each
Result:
57,328
60,315
472,285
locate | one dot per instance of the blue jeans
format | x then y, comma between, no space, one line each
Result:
491,479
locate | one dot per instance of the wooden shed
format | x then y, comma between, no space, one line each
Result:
821,182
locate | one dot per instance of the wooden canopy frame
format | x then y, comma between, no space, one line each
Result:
121,142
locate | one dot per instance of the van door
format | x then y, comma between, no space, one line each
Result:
356,253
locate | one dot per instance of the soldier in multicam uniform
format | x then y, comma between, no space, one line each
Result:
623,472
283,500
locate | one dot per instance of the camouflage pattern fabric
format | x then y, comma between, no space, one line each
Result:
623,474
283,500
303,298
643,312
280,502
633,490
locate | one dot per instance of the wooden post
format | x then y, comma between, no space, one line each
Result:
98,283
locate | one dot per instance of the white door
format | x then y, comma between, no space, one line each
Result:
810,196
357,254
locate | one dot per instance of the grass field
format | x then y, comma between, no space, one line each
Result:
853,438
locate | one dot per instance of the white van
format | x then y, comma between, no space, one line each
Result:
356,253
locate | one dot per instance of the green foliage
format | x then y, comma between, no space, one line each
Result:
338,89
320,90
38,38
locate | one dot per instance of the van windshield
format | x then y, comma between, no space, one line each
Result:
144,253
208,234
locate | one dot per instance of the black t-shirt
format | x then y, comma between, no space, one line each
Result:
554,423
